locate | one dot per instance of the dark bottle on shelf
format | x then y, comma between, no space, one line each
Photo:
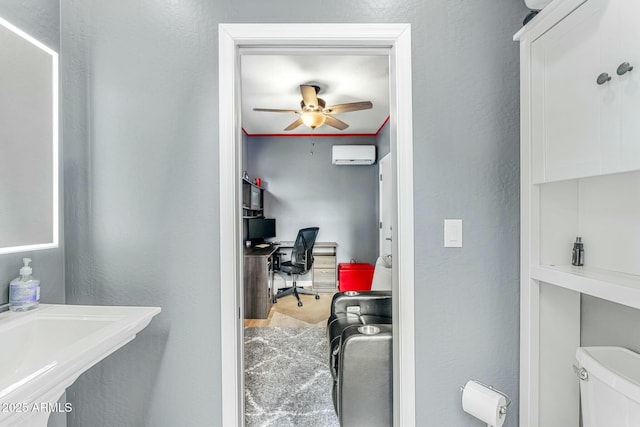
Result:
577,256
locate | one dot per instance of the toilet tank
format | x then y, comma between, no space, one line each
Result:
610,394
536,4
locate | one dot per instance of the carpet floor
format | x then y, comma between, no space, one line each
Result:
287,378
314,311
287,314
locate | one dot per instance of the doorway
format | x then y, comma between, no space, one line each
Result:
396,39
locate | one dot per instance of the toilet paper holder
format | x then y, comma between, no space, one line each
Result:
503,409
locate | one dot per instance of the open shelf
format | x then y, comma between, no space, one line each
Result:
613,286
251,183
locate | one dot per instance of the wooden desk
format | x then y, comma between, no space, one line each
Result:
258,281
324,271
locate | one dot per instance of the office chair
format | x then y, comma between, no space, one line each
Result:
300,263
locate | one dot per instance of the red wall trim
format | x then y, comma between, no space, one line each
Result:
382,125
319,135
315,135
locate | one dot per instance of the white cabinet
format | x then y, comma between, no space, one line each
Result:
580,175
629,51
583,114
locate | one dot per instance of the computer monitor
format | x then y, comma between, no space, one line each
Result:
259,229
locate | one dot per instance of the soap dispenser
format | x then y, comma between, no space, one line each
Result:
24,291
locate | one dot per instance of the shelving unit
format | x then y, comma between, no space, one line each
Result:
621,288
258,264
580,174
252,200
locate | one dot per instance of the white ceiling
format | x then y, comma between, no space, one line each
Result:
273,81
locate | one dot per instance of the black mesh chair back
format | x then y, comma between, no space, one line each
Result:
302,252
300,263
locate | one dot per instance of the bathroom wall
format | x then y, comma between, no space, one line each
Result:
607,323
466,149
40,19
142,222
307,190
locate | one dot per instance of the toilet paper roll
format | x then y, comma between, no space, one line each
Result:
483,403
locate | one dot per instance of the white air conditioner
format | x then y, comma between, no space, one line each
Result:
354,154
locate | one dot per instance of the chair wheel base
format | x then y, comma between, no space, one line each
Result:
299,303
317,296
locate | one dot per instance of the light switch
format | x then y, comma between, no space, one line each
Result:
452,233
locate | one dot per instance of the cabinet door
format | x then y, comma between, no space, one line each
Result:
629,83
257,282
566,103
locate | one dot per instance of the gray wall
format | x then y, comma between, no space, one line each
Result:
142,226
608,323
466,149
39,18
142,211
383,141
307,190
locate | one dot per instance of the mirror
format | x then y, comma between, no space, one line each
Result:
28,142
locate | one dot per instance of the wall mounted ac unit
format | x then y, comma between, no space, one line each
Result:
354,154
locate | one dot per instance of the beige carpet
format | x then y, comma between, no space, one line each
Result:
312,311
287,314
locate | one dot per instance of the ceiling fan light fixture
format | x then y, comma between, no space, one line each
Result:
313,111
313,119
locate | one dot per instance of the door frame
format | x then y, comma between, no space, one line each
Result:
381,238
397,39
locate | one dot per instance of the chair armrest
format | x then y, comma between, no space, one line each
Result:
374,303
364,387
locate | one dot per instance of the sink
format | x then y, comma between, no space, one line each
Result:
43,351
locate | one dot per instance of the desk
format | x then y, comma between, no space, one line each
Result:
258,281
259,264
324,270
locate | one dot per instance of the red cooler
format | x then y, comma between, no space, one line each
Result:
355,276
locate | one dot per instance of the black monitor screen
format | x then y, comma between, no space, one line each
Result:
261,228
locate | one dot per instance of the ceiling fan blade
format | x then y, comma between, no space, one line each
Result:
276,110
352,106
294,125
338,124
309,95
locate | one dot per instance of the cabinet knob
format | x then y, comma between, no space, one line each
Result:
624,68
603,78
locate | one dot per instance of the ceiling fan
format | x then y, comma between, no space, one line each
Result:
314,112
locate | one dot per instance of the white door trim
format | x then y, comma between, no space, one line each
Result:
395,37
385,176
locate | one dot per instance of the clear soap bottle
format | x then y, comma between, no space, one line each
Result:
24,291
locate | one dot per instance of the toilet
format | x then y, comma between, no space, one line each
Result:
609,386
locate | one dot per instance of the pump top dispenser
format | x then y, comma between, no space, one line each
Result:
24,291
26,270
